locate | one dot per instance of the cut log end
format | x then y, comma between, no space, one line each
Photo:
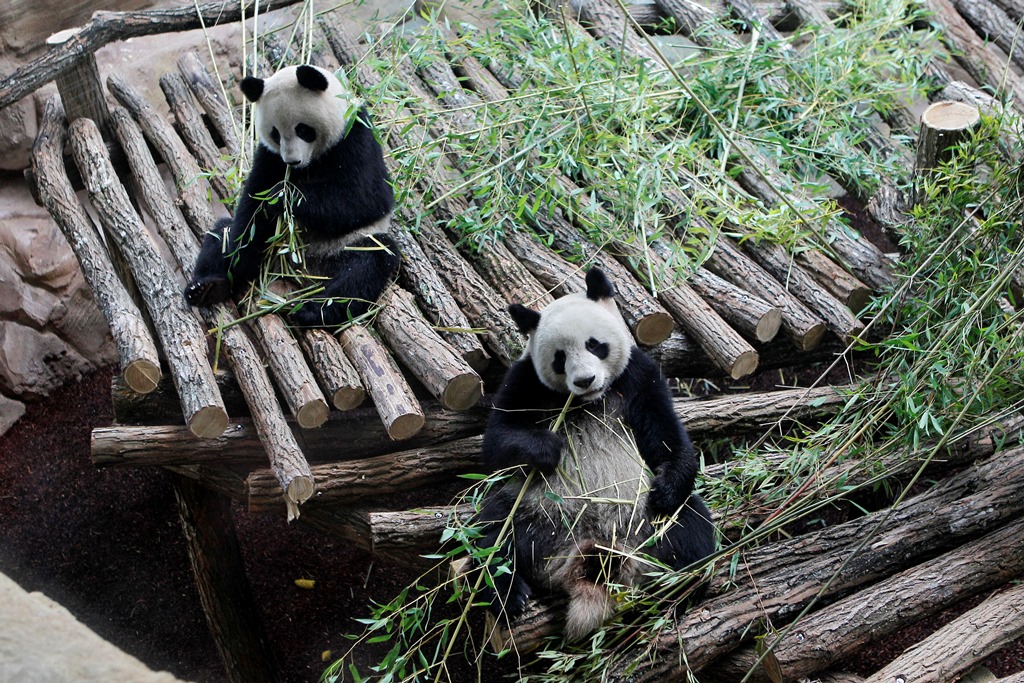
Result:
312,414
300,489
654,329
348,398
463,392
858,299
477,359
768,325
811,337
744,365
209,422
142,376
405,426
950,116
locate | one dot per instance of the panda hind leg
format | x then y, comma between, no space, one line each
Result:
690,539
507,591
361,273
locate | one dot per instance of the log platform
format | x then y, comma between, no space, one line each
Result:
361,433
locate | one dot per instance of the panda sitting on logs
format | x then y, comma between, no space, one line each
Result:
343,206
618,469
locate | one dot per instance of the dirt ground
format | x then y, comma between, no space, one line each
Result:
106,544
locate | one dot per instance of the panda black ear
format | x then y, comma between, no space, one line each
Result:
526,318
598,285
311,78
252,88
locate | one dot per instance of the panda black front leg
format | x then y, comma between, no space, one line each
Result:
210,284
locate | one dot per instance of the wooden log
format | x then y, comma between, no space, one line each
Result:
958,91
193,191
335,372
641,314
812,566
280,445
408,534
219,572
994,25
750,315
802,326
847,289
195,135
442,371
1012,678
361,432
418,276
79,86
355,481
183,339
943,125
298,385
106,27
777,261
958,646
478,300
391,395
983,63
211,96
140,364
162,407
834,633
724,345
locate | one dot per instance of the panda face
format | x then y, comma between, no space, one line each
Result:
299,112
578,344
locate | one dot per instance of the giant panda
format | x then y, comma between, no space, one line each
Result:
620,466
343,206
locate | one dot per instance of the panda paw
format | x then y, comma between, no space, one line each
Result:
663,497
207,291
547,452
508,600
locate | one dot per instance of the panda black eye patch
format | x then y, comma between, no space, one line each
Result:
558,363
305,132
275,135
599,349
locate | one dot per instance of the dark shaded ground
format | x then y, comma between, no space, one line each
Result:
106,544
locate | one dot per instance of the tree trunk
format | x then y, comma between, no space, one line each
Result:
391,395
983,64
195,134
943,126
834,633
107,27
812,566
211,96
361,431
954,649
442,371
994,25
338,378
140,364
183,339
355,481
219,571
802,326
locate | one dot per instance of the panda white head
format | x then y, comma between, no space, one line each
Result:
579,343
299,112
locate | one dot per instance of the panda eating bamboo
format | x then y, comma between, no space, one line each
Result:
620,465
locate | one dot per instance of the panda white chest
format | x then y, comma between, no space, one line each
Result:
601,484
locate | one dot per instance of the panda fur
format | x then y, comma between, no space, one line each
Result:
344,205
621,441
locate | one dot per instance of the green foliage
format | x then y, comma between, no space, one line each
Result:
947,341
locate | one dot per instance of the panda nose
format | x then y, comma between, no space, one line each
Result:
584,382
293,162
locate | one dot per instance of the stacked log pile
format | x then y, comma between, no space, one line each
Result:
281,424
